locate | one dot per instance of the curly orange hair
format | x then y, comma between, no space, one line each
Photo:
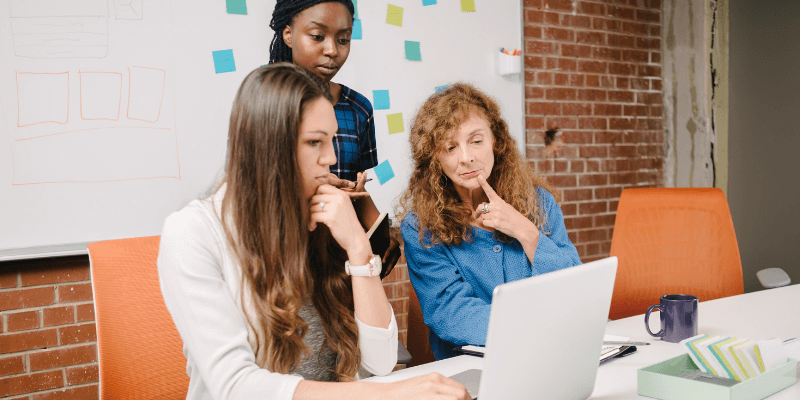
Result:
431,195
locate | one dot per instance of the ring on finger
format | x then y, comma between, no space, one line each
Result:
321,205
485,208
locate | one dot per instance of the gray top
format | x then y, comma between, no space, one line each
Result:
320,364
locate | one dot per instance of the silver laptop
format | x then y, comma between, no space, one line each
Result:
545,335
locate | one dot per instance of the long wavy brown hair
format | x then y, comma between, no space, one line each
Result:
266,222
431,195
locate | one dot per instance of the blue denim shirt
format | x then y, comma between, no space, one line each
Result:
454,284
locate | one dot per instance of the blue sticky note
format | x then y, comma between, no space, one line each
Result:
236,6
380,99
384,172
356,30
355,7
440,89
223,61
412,51
428,2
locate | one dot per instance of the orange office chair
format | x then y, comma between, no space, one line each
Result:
140,350
417,333
673,241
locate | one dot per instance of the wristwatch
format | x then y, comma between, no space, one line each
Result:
373,268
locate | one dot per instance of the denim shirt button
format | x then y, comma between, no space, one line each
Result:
497,248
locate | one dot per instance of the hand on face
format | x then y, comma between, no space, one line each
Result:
497,214
332,207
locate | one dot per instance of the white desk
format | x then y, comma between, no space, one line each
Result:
758,315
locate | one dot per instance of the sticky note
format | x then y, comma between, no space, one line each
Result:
440,89
355,8
394,15
380,100
356,30
745,353
735,366
693,353
720,356
236,6
697,346
412,51
467,5
428,2
384,172
770,354
395,123
223,61
710,358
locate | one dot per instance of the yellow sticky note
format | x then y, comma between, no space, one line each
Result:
468,5
395,123
394,15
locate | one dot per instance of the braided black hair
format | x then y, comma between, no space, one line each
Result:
285,10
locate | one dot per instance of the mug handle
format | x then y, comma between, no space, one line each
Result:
647,321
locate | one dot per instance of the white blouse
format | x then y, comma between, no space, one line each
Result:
200,282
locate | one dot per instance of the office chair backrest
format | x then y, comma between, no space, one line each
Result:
140,350
417,333
673,241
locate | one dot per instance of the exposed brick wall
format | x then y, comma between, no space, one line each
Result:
48,344
593,69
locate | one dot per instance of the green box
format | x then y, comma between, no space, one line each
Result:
663,381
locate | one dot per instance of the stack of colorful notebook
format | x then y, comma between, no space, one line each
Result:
735,358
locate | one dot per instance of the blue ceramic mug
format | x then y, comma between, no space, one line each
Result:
678,317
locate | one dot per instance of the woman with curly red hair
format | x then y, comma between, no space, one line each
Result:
475,215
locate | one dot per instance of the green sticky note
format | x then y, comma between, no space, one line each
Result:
355,7
394,15
412,51
236,7
468,5
395,123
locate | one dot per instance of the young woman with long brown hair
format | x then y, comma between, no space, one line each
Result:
475,215
271,280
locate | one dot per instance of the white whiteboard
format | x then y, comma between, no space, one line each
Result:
113,115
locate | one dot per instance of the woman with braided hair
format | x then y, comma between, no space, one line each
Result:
315,35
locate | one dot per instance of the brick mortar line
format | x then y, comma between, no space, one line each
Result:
40,308
601,3
65,387
576,13
46,349
64,368
19,287
27,353
594,45
44,328
592,29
